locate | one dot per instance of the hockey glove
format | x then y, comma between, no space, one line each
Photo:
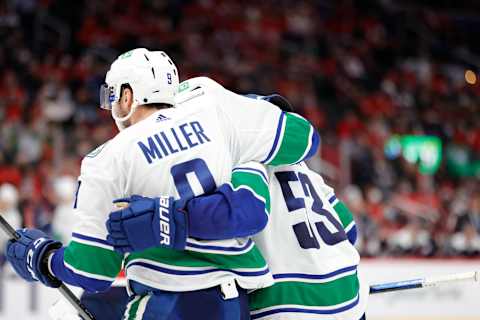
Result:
146,223
276,99
28,256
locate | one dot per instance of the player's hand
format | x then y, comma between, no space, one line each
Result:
147,222
28,256
276,99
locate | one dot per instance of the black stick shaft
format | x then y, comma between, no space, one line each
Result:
64,290
8,229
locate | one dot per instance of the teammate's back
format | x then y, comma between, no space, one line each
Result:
161,150
305,244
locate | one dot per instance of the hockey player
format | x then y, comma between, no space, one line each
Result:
305,244
183,151
308,243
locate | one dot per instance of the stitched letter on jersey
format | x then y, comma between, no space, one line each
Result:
177,139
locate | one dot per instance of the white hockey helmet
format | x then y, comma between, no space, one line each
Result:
151,75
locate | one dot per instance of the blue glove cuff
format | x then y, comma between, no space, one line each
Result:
29,256
44,275
181,225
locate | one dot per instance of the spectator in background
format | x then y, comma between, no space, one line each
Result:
475,212
9,211
63,216
56,100
105,305
413,239
368,238
466,240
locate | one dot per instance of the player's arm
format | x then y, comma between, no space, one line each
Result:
262,132
257,130
89,261
346,217
343,212
236,209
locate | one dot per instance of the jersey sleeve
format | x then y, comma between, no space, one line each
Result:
346,217
343,212
89,261
259,131
236,209
256,130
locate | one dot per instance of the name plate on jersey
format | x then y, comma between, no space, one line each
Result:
177,139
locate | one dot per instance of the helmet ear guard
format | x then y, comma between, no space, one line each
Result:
110,98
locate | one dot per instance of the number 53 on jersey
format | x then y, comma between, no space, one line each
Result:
324,227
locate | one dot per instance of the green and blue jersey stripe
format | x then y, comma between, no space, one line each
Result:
97,273
302,309
330,293
286,149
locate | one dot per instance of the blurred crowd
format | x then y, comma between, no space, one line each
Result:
361,71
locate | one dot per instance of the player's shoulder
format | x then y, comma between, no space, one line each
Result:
196,83
300,167
198,87
317,179
252,167
302,172
112,149
97,151
122,142
98,158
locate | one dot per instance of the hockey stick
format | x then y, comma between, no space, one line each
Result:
425,282
64,290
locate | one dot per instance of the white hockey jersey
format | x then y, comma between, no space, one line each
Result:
313,264
183,152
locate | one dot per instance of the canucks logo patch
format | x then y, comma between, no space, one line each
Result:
96,151
183,86
126,55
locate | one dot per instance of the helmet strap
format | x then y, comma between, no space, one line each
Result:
120,121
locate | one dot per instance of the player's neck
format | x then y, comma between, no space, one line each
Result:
141,113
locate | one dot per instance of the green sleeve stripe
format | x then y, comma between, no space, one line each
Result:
135,309
346,217
132,308
253,181
296,141
252,259
350,226
93,260
307,294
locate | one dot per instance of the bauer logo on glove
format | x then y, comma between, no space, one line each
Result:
164,220
30,254
145,222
